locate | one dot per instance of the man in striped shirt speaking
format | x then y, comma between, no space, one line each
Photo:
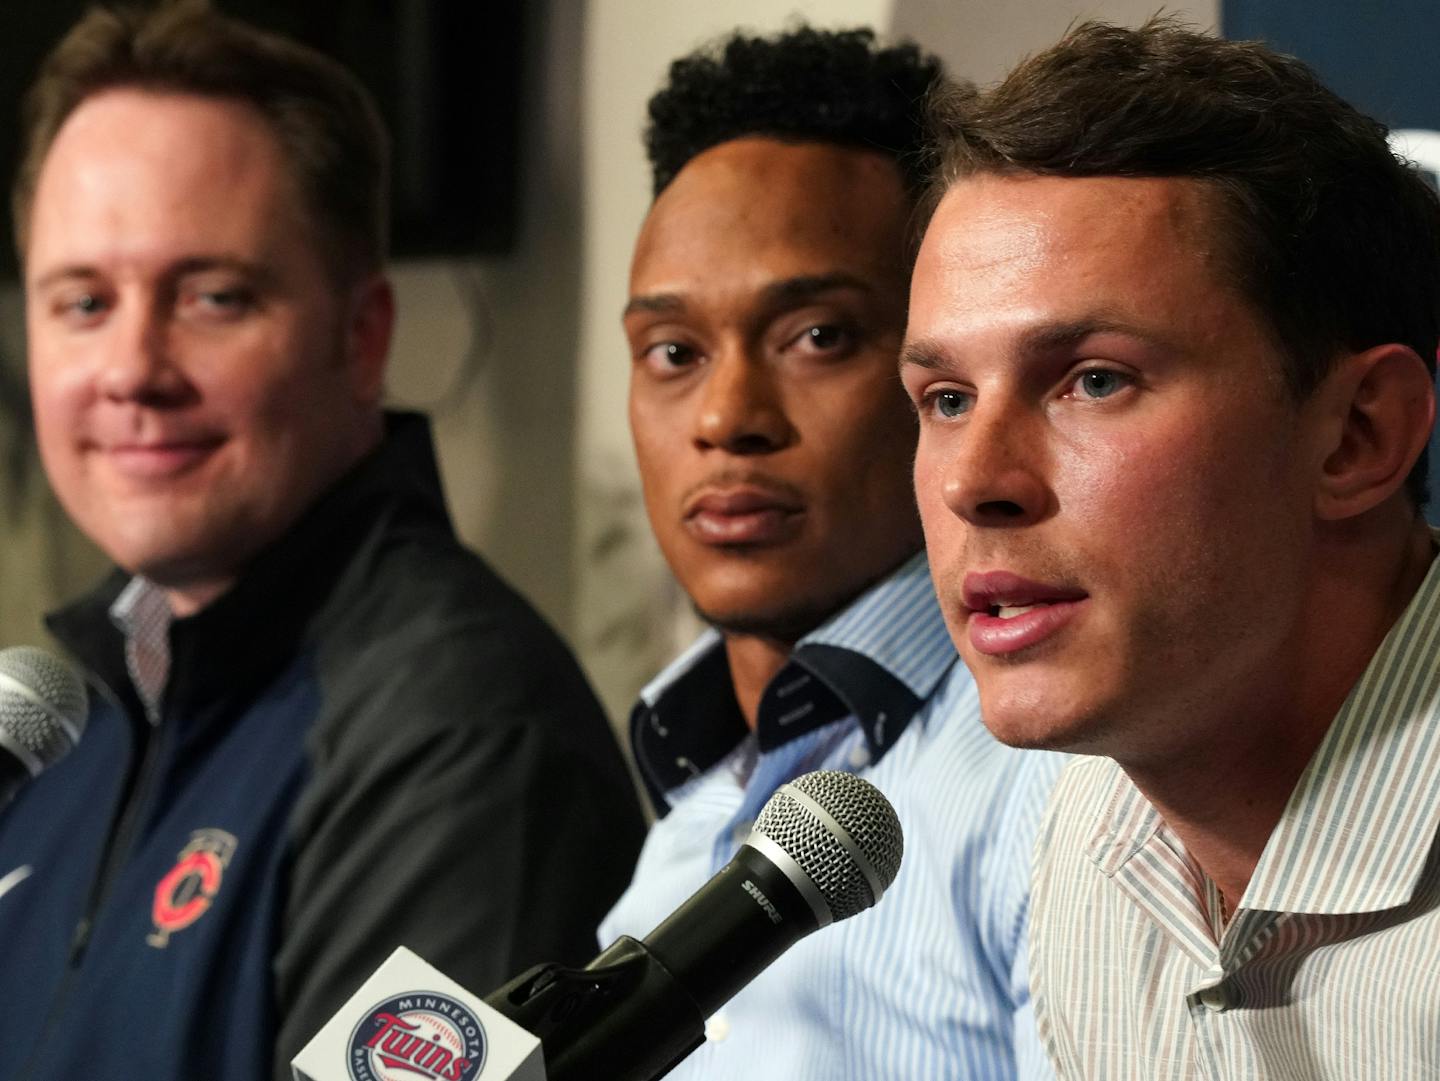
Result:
1172,338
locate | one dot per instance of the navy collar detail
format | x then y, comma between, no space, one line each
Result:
877,660
261,622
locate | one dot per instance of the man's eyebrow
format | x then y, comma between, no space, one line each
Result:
198,264
76,271
786,293
790,292
1047,338
655,303
201,264
922,354
1050,337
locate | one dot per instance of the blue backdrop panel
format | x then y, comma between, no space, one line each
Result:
1378,56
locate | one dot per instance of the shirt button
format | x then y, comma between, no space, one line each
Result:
1215,999
717,1028
859,757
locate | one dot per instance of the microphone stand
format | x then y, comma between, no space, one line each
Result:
650,1021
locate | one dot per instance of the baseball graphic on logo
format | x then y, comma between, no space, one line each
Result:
420,1035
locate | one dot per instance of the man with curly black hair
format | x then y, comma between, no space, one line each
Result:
807,86
767,306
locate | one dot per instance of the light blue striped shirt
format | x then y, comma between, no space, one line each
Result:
931,983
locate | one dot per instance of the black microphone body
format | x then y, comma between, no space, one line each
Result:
640,1007
824,848
732,928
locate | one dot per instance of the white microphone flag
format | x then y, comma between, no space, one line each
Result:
410,1021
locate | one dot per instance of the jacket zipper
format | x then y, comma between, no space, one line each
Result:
117,848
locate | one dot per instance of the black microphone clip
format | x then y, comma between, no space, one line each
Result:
651,1022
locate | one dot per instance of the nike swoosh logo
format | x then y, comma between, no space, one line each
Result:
14,878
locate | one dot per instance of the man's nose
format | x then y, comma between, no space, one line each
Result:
996,475
742,407
139,363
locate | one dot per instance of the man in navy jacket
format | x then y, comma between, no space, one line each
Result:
321,728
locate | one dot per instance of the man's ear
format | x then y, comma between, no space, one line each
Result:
368,326
1383,403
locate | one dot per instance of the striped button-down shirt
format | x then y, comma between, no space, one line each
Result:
1329,969
930,985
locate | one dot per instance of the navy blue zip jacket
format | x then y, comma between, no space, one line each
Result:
369,741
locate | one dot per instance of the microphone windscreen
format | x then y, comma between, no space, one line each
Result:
841,832
42,707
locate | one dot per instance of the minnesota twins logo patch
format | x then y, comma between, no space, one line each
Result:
188,888
417,1035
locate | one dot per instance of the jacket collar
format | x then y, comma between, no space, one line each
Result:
240,640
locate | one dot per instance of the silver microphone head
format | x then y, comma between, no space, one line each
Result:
43,707
840,833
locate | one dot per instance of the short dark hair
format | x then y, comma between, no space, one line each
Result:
326,123
1333,239
832,86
